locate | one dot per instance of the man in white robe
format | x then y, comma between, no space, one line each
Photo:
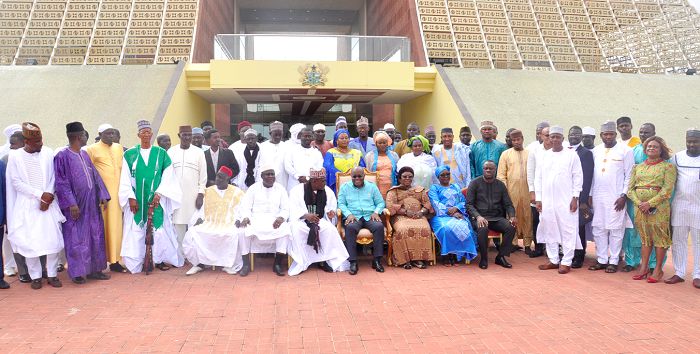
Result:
249,157
147,180
190,171
273,152
300,159
323,245
33,216
213,238
534,156
558,183
613,163
263,214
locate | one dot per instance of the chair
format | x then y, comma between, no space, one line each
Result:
492,234
364,237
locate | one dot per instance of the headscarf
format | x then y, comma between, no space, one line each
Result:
426,143
440,169
337,134
295,130
380,134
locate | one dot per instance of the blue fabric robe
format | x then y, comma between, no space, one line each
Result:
446,227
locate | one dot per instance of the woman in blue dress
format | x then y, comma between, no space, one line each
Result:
451,223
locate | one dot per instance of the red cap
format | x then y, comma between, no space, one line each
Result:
226,170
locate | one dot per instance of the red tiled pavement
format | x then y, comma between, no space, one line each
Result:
443,310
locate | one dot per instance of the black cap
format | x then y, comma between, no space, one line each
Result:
75,127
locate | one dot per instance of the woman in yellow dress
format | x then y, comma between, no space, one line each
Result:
341,158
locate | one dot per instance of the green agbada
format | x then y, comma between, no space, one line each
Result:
145,180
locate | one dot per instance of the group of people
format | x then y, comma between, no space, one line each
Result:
215,205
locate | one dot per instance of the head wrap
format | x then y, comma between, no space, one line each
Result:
555,129
423,140
319,126
465,129
692,132
382,135
244,123
404,169
446,130
440,169
226,170
267,167
337,134
250,131
515,133
103,127
608,126
294,130
486,123
588,131
276,125
363,121
143,124
197,130
30,130
340,119
429,128
317,173
542,125
388,126
75,127
185,129
624,120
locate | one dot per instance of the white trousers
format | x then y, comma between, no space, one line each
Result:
180,231
608,244
567,248
680,250
10,265
34,266
251,243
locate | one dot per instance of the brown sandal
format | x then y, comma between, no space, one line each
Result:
597,266
163,266
611,268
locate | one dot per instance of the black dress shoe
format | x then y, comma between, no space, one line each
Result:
516,248
325,267
24,278
98,276
353,267
79,280
536,253
246,266
483,263
278,268
377,265
117,268
503,262
4,284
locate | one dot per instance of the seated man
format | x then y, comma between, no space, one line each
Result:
490,207
212,238
263,214
361,203
314,235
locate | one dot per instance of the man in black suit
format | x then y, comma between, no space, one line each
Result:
585,214
217,156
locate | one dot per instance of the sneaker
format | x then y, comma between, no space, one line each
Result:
194,270
230,270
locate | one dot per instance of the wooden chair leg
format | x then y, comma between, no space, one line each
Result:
252,261
433,259
389,253
289,261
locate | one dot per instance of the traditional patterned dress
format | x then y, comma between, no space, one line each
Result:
456,236
412,237
385,167
653,182
338,161
458,159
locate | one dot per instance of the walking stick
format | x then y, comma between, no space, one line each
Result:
148,265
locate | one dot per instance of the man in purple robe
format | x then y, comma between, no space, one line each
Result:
80,193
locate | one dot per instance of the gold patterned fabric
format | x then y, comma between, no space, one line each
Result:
412,237
653,183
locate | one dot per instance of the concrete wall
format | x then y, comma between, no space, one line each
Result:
184,108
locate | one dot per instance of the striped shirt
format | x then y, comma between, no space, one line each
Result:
685,210
35,175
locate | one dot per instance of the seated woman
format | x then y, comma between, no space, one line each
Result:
409,207
420,160
341,158
650,189
383,162
450,223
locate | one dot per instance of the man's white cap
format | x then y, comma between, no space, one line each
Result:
103,127
555,129
588,131
319,126
389,126
267,167
11,129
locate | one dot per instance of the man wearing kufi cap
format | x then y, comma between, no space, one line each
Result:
81,195
685,217
613,163
314,237
13,133
402,147
488,148
212,239
624,126
535,155
301,157
274,150
341,123
558,184
263,214
198,139
363,142
149,189
320,141
190,171
455,156
242,127
465,136
249,159
588,138
512,170
33,216
9,130
537,143
163,140
390,130
107,156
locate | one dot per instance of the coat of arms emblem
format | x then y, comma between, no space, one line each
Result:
313,75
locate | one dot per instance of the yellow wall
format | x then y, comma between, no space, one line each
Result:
185,108
437,109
